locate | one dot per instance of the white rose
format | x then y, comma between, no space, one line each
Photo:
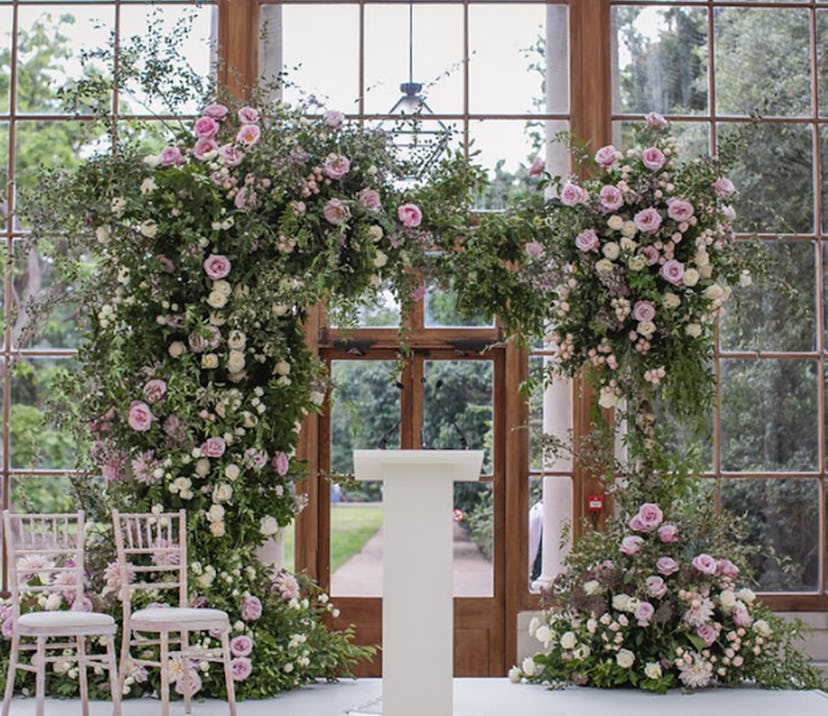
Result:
706,271
543,634
217,529
202,467
118,205
620,602
646,328
728,600
215,513
691,277
216,319
534,623
671,300
375,232
528,666
148,185
205,580
628,229
702,258
636,263
222,287
149,228
603,266
222,492
593,586
746,595
235,361
693,330
279,310
268,526
380,259
176,349
232,471
581,652
515,675
282,367
762,628
625,658
627,244
216,299
712,292
569,640
209,361
53,602
607,398
652,670
236,340
615,222
102,234
611,250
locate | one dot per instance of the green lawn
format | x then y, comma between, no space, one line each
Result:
352,525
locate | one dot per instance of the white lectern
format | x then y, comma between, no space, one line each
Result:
417,606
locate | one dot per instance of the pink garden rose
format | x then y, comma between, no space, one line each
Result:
533,249
647,220
672,271
644,613
217,266
611,197
245,197
241,645
537,167
410,215
653,158
649,254
667,532
248,115
679,210
140,416
705,564
742,618
205,128
654,119
229,155
572,194
643,311
723,186
337,166
707,632
287,586
648,518
667,566
336,212
241,668
213,447
170,156
281,464
204,147
333,119
154,390
727,569
587,241
250,608
631,544
656,587
369,199
216,111
249,135
605,156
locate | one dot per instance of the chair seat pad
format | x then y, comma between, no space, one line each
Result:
62,623
179,618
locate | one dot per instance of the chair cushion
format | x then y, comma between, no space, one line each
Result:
179,618
65,623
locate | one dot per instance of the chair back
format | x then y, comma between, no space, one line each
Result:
45,558
152,554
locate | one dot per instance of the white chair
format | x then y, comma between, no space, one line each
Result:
152,557
45,560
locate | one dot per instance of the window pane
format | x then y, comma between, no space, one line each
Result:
441,311
536,373
822,60
436,62
506,65
768,415
473,547
49,493
693,137
662,57
333,33
774,180
50,42
767,317
823,135
5,61
36,440
783,516
763,61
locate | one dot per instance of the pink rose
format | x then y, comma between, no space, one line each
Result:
667,532
333,119
654,119
336,166
649,254
643,311
611,197
666,566
652,158
727,569
8,627
369,199
217,266
281,464
241,645
205,128
287,586
742,618
672,271
587,241
140,416
336,212
705,564
204,146
154,390
537,167
572,194
248,115
248,134
647,220
708,633
631,544
649,514
216,111
191,677
644,613
241,668
679,210
250,608
410,215
229,155
213,447
245,197
170,156
605,156
656,587
723,186
533,249
418,294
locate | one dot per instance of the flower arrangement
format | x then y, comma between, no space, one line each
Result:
645,606
195,265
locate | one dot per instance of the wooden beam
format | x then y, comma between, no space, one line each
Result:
238,49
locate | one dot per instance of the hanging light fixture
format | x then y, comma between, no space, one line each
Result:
421,141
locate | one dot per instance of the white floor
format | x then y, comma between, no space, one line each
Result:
480,697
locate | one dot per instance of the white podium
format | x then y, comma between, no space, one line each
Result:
417,596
